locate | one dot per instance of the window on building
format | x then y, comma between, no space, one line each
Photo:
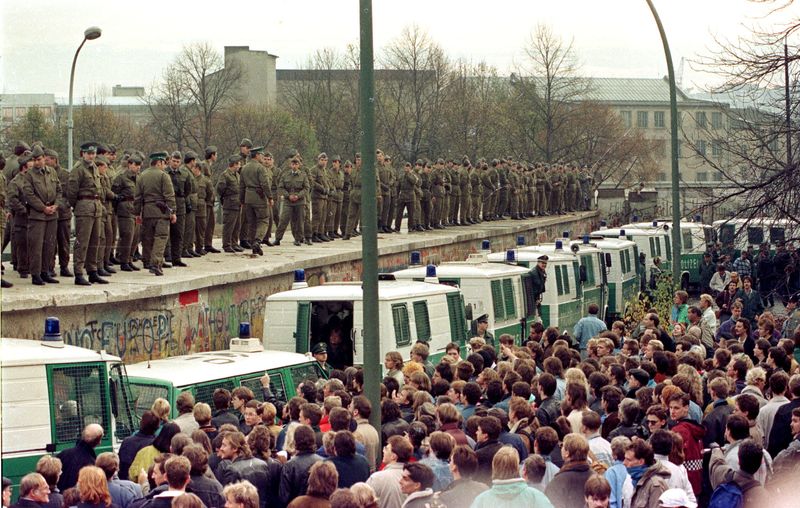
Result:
702,176
626,118
662,176
8,114
701,118
660,147
658,119
717,176
641,119
716,148
716,120
701,147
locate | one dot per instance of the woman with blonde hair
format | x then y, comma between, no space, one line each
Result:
508,488
161,409
365,495
187,500
240,495
93,488
393,362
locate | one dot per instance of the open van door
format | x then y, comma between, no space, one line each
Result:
303,329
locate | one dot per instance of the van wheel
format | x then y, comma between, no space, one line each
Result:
685,282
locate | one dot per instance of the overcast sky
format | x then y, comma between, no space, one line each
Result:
612,38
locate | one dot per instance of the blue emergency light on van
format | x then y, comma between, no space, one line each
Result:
586,239
244,330
559,245
486,245
635,218
52,329
655,223
299,275
603,223
565,234
622,233
430,271
520,240
511,256
416,258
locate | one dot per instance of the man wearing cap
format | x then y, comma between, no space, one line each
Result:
245,146
19,214
105,235
347,185
12,163
83,192
437,196
476,188
354,210
110,153
255,193
481,329
211,198
154,204
3,282
292,187
538,281
228,191
189,162
319,199
274,208
426,204
336,183
41,187
182,187
320,354
198,234
406,197
64,214
124,188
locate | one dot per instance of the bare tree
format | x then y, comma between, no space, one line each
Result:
171,108
411,94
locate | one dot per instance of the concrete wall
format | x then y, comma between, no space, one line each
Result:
205,318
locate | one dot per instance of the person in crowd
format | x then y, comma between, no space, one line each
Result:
508,488
322,481
82,454
566,488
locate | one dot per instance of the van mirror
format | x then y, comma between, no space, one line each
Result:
468,311
582,273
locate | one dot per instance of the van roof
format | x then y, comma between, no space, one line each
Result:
614,232
612,243
19,352
466,269
532,253
189,369
551,247
387,290
661,222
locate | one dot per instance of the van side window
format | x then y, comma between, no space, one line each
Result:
205,392
276,385
668,246
559,282
402,333
652,247
627,261
497,300
755,235
145,394
588,262
78,399
306,371
422,321
565,278
508,298
687,239
458,326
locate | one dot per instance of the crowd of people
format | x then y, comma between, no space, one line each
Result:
166,203
642,415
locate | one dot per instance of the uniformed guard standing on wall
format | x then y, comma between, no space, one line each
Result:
319,198
211,199
189,161
198,234
64,226
335,197
41,188
354,212
19,214
182,188
124,188
154,204
347,186
83,193
255,194
292,187
405,198
105,240
228,191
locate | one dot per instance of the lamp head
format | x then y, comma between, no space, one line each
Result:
92,33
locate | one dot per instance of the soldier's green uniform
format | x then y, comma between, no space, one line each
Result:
124,187
3,282
542,206
476,189
354,210
255,193
418,198
448,189
293,188
191,206
64,225
83,192
106,234
513,184
200,214
426,182
531,205
571,200
455,194
228,192
335,198
502,200
437,196
407,184
41,188
386,180
465,202
347,185
320,188
154,201
19,217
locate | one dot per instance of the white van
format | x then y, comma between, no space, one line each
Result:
410,311
653,242
744,233
562,301
622,273
202,373
591,275
50,392
498,290
695,239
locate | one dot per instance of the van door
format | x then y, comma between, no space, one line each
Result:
357,333
303,329
78,396
458,321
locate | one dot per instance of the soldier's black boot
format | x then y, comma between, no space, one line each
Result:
65,272
5,284
210,248
36,279
80,280
48,278
125,267
109,269
102,272
94,278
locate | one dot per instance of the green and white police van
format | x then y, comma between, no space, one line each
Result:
502,291
695,240
201,373
622,274
562,300
744,233
50,392
653,242
410,311
591,275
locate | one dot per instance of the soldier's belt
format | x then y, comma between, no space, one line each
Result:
88,198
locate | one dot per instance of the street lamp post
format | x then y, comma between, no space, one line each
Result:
673,107
89,34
